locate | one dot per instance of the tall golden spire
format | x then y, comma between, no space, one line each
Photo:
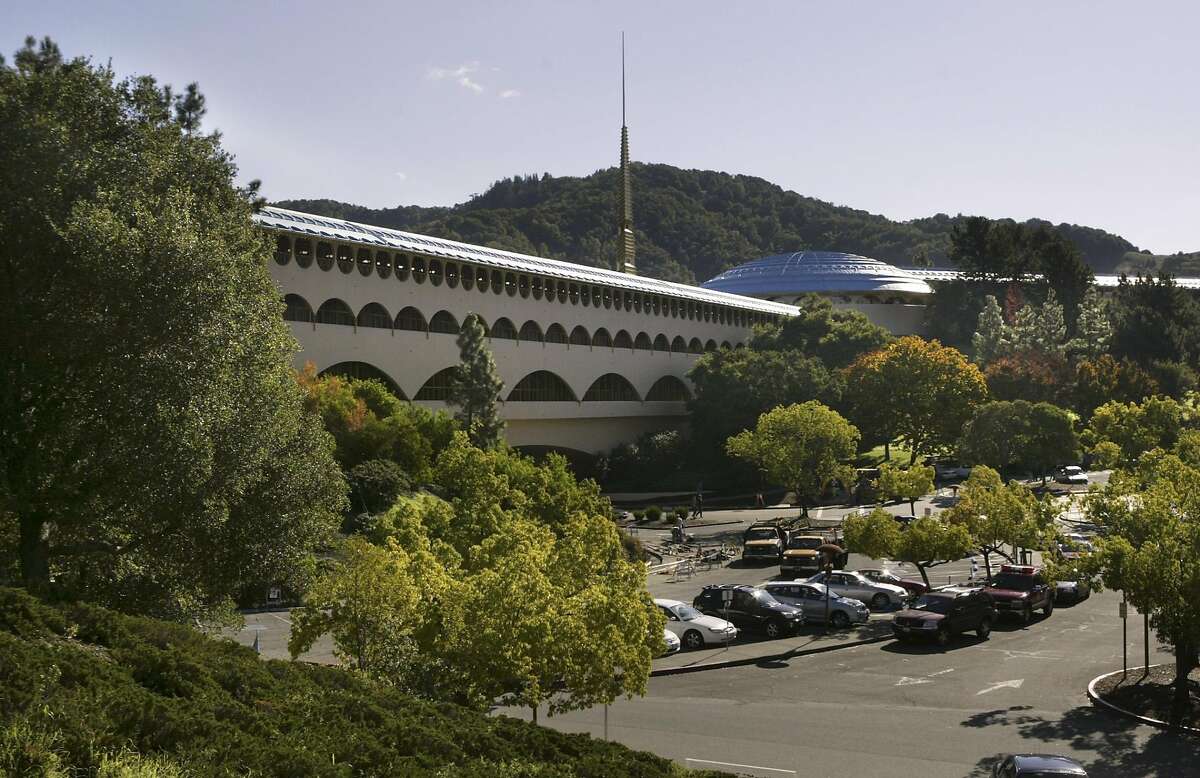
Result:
625,228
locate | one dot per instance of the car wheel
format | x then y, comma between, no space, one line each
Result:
1027,614
984,629
1049,608
693,640
774,629
880,601
839,620
942,637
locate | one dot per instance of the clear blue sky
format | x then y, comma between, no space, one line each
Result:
1073,111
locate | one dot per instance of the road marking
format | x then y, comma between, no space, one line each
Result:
906,681
281,618
749,766
942,672
1016,684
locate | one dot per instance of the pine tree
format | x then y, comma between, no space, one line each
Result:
991,333
1093,328
476,390
1051,329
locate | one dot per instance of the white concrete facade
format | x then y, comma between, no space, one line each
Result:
649,334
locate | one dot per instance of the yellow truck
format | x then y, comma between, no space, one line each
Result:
800,556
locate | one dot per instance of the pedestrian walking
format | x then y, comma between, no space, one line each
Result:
700,504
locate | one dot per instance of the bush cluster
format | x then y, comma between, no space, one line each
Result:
81,686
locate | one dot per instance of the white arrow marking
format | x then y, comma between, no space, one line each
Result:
906,681
1002,685
942,672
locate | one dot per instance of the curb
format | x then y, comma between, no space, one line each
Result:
766,658
1103,703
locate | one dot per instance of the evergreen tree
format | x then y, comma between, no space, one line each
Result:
1051,325
476,390
988,341
1093,330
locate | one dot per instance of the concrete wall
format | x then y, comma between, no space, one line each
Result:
897,318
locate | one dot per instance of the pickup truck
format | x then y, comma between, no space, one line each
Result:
763,542
801,554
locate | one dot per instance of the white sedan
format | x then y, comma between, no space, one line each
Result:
1072,474
858,587
672,642
693,628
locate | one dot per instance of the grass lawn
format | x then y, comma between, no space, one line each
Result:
872,458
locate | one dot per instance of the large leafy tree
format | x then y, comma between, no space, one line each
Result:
909,484
926,390
836,337
1003,433
1135,428
803,446
1153,520
1104,379
925,543
476,388
155,453
1155,320
999,514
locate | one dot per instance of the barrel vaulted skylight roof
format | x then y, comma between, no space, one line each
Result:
340,230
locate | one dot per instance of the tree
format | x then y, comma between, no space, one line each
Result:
836,337
1093,330
1102,379
1137,428
1150,554
927,390
988,343
1050,439
1154,320
925,543
156,454
996,514
1002,434
375,485
476,389
909,484
1033,375
803,447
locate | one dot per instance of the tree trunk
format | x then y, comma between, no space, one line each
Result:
34,553
912,457
912,507
887,451
1187,659
924,575
987,564
534,709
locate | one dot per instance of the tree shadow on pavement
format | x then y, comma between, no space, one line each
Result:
1087,730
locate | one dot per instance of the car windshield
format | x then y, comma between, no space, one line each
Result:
763,597
761,534
1019,583
812,543
933,604
686,613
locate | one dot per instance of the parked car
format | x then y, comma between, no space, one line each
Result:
810,597
693,628
910,585
1072,590
1072,474
672,641
943,614
1074,546
749,608
947,469
857,586
1019,590
1037,766
763,542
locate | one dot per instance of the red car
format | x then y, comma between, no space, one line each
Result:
1019,590
913,586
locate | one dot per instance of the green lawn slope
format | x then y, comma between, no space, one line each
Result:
86,691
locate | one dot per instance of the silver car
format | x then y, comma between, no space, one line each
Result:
859,587
810,597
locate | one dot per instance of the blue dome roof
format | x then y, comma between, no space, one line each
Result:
823,272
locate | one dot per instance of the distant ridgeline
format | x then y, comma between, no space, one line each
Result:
693,224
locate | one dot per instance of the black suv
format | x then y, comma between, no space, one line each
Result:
749,608
943,614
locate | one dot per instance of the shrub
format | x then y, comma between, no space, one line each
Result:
654,513
681,511
639,515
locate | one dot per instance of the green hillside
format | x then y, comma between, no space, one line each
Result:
691,224
86,691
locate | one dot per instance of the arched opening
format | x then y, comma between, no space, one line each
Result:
531,332
383,264
497,282
695,346
611,387
536,285
710,345
555,333
738,346
597,296
283,250
451,275
679,345
481,279
523,287
345,258
412,320
302,248
375,315
579,337
510,284
668,389
642,342
365,262
325,256
504,329
418,270
541,386
439,385
623,340
725,345
674,308
562,291
445,323
573,293
468,277
361,371
403,265
335,312
608,299
602,338
435,272
296,308
661,343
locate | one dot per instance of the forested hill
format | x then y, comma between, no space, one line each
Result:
691,224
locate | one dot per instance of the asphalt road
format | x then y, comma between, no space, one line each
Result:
892,709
